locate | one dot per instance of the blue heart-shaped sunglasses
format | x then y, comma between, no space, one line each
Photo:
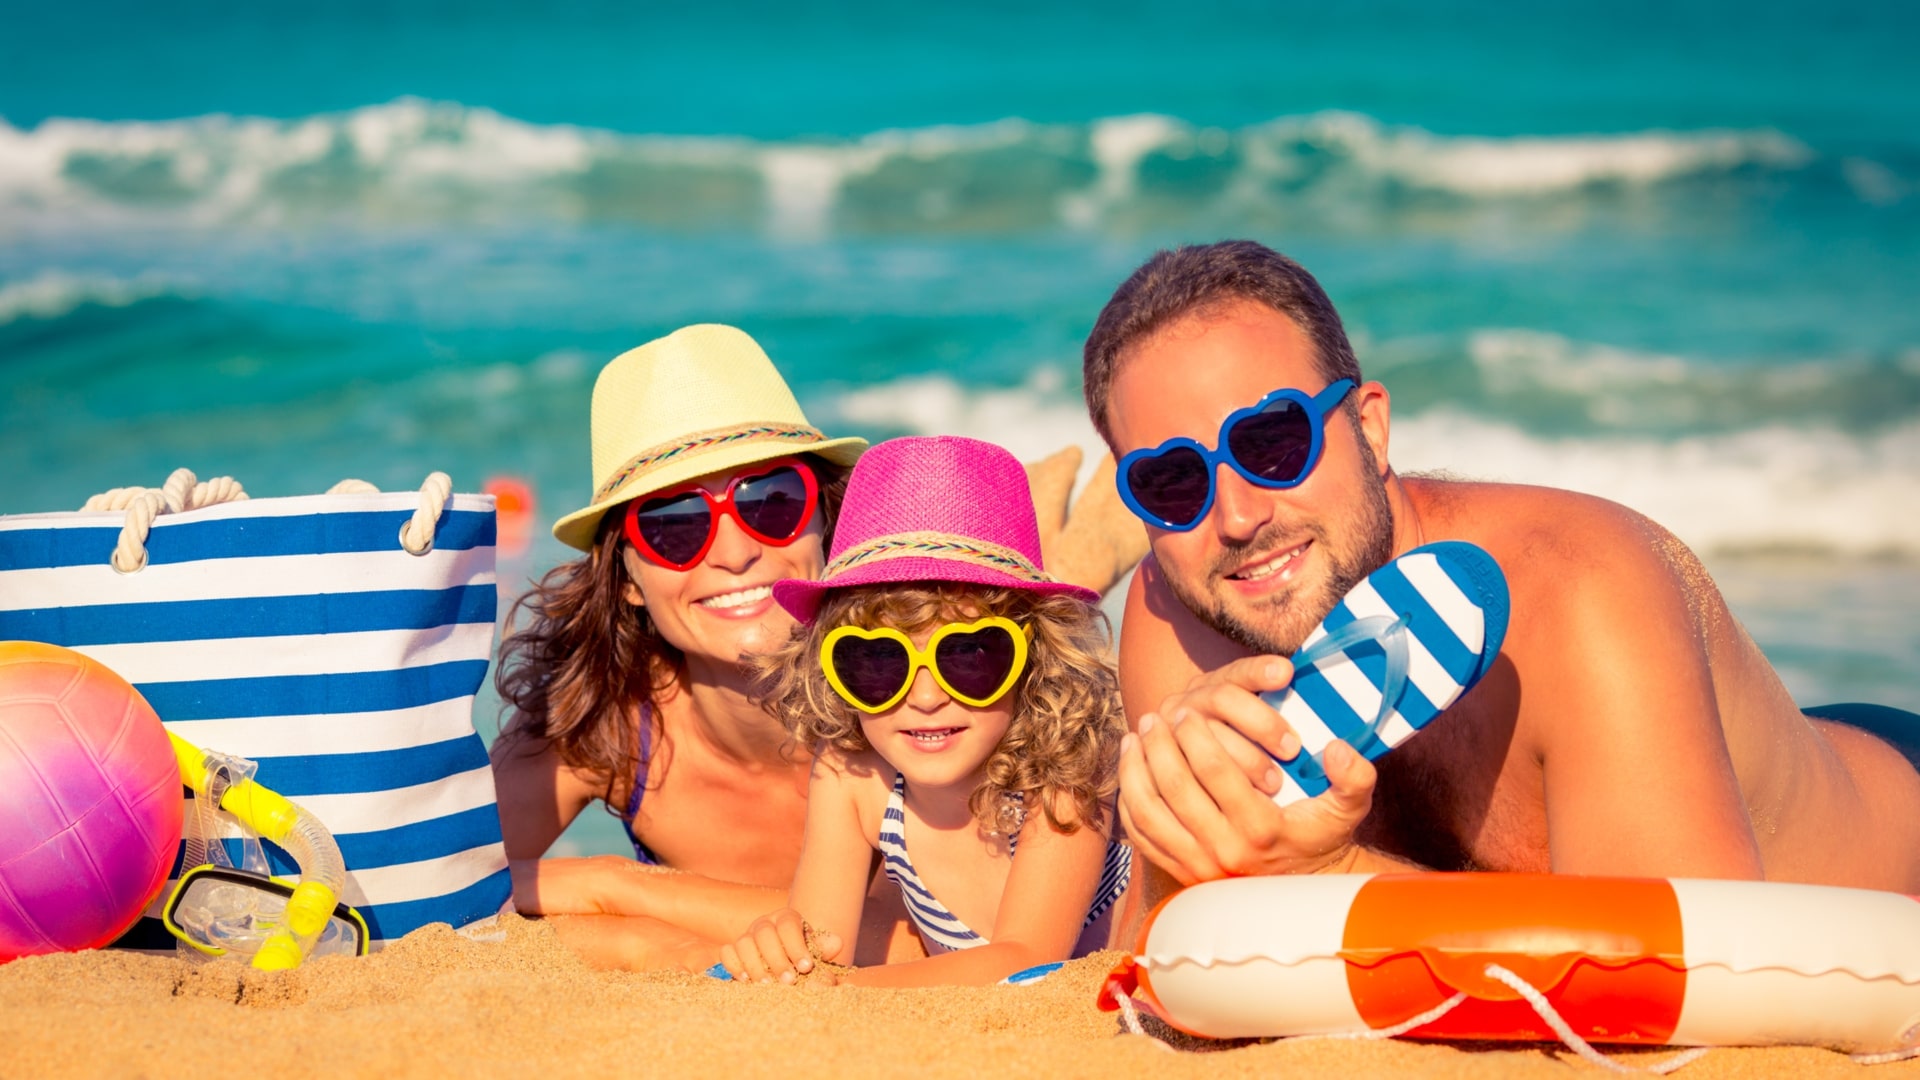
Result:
1274,443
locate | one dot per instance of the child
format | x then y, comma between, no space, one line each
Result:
961,709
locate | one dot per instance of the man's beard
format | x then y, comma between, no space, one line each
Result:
1370,532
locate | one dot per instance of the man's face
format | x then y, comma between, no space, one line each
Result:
1264,566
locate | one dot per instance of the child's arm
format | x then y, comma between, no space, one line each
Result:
829,887
1048,892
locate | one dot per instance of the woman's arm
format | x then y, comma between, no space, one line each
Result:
1048,892
539,796
616,885
625,943
539,793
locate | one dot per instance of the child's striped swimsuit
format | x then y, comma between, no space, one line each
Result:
938,927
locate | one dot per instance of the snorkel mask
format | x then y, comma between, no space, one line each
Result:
218,908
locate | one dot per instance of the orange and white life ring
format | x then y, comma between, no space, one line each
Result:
1638,961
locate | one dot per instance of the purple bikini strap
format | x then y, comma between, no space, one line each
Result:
640,767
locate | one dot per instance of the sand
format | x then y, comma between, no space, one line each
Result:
438,1005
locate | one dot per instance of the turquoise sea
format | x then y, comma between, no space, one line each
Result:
1663,252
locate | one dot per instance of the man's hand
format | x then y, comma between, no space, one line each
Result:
1197,783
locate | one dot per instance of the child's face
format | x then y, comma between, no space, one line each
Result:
933,740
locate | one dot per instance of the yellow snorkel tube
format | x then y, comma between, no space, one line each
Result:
216,909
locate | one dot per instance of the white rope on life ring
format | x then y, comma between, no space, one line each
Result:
1542,1008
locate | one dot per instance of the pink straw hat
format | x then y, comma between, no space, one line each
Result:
932,509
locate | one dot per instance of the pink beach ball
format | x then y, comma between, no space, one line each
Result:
90,806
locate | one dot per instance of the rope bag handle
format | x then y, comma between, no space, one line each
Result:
183,492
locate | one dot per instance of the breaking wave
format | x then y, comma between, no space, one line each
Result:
413,160
52,294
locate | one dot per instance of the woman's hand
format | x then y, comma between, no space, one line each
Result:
782,947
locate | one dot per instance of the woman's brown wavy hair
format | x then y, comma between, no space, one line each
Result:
586,659
1062,746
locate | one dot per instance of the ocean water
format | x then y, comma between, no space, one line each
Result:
1666,253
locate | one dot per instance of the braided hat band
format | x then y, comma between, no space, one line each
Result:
936,545
704,400
933,509
798,434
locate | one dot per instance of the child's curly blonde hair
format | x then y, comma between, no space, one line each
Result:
1063,741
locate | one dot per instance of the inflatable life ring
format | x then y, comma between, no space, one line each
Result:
1636,961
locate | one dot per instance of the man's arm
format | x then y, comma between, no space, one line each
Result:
1163,646
1622,714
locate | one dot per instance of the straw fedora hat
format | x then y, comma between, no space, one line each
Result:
927,509
703,399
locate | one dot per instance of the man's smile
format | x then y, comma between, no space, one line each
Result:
1283,563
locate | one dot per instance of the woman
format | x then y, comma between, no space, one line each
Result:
622,669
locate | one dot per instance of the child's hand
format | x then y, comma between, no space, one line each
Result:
777,946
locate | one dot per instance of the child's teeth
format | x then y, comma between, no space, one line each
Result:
738,599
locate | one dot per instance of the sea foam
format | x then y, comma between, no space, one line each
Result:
52,293
419,160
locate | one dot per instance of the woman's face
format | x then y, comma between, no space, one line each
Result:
722,608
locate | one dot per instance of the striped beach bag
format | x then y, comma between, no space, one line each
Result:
337,640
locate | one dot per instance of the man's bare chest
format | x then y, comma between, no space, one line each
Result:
1463,795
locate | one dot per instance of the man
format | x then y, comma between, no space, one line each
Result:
1629,726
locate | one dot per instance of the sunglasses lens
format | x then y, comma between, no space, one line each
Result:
1273,443
676,528
774,505
1172,486
872,669
976,663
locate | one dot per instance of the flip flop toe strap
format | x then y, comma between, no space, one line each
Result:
1391,635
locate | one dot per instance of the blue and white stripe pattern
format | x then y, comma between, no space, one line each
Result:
938,927
297,632
1451,599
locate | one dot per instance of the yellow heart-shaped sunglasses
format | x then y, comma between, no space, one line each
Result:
976,663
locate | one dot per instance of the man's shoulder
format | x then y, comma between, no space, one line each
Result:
1535,530
1577,567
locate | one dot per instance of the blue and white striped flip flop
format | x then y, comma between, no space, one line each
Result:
1393,654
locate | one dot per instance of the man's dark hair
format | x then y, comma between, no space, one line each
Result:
1184,280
